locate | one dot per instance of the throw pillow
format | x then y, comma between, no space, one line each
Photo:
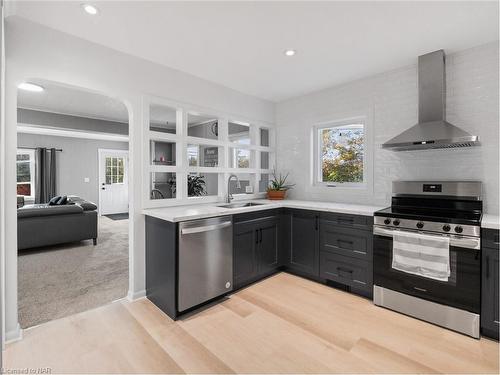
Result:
62,201
54,200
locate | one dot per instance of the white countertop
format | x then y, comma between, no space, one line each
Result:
490,221
200,211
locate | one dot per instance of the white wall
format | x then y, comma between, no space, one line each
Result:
34,51
78,160
389,101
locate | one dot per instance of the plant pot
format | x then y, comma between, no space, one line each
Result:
276,195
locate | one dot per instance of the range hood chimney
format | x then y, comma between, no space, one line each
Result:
432,129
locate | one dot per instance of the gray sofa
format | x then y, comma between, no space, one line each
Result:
45,225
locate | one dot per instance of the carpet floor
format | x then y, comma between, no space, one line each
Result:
62,280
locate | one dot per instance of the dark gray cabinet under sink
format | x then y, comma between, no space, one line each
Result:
255,246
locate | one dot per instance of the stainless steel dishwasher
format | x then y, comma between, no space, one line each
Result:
205,260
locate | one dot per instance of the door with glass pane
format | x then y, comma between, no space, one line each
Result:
113,181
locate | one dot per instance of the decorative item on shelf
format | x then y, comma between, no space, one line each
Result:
163,162
215,128
210,156
278,187
196,185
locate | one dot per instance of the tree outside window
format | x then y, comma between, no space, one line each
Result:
341,154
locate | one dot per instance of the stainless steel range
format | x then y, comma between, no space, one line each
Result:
432,210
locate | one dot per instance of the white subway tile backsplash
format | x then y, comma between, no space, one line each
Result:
390,101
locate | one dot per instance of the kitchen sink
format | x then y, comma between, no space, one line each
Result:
240,205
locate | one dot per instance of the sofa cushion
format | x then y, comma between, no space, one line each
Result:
86,205
34,210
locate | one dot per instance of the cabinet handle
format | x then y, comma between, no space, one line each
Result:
256,236
339,241
316,224
346,221
487,266
496,240
260,230
342,269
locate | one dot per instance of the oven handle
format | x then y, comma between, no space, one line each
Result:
457,241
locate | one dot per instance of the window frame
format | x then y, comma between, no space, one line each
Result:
317,154
32,163
117,174
182,168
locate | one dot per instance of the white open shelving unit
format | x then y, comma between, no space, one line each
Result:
254,173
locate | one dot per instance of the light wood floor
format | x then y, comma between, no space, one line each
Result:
283,324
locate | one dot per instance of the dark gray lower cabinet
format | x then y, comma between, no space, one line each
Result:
490,319
301,232
161,264
346,251
268,246
354,273
320,246
244,254
255,247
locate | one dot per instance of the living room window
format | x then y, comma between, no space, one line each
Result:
25,172
339,154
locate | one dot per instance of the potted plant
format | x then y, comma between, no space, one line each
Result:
196,186
278,187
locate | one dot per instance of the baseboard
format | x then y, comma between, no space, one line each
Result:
132,296
14,335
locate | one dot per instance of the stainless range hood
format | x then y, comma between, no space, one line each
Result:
432,129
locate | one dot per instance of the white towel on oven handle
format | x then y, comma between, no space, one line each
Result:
421,254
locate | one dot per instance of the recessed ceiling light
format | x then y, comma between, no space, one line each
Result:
30,87
290,52
90,9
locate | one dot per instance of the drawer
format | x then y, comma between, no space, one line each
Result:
490,238
355,221
346,241
256,215
346,270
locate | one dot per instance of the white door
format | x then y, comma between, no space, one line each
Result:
113,181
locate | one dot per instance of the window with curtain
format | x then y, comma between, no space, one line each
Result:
25,165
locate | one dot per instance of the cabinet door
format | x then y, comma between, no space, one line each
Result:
244,253
268,245
489,293
303,255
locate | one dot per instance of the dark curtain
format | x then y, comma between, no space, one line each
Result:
45,174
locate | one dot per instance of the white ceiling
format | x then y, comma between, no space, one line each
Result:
67,100
240,44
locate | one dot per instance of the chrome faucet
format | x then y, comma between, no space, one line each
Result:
238,186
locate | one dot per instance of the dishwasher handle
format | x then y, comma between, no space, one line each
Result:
205,228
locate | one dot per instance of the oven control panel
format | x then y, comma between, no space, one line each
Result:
428,226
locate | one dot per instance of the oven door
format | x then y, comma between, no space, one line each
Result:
463,288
